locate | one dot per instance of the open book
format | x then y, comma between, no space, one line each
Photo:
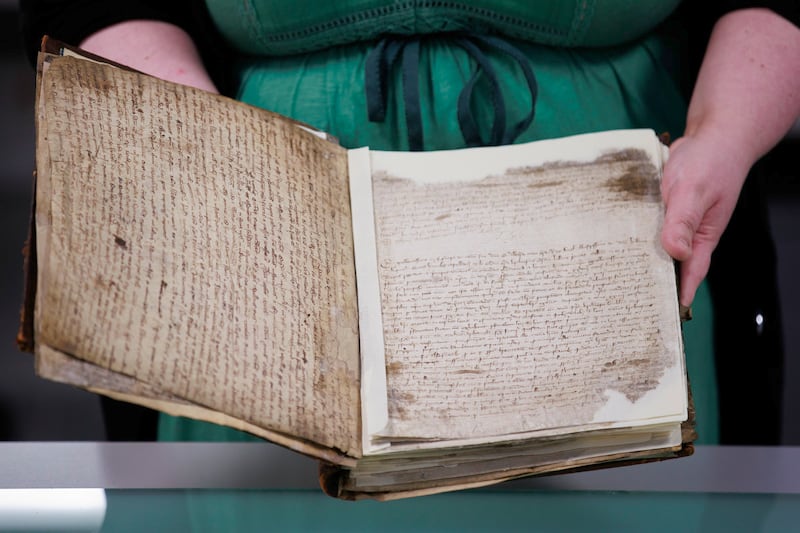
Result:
420,322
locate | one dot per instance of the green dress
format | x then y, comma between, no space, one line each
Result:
599,65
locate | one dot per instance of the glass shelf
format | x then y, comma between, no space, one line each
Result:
259,486
476,510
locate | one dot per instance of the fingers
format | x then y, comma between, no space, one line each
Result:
678,234
694,270
700,192
687,200
689,236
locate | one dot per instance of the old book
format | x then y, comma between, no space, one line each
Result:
419,322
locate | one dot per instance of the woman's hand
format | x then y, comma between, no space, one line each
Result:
746,98
153,47
700,187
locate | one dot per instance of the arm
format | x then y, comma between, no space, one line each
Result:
149,35
154,47
746,98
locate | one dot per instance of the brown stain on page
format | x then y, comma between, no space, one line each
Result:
639,181
394,367
545,184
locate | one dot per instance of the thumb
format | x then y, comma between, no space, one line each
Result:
684,214
684,238
687,195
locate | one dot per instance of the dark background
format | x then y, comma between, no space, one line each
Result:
34,409
30,408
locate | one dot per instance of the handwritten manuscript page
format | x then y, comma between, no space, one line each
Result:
180,245
526,292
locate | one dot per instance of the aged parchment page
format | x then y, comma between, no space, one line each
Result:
200,246
525,290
